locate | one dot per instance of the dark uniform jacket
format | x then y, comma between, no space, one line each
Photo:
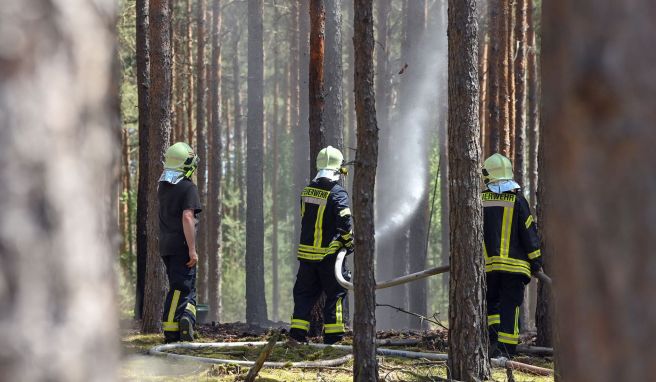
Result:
511,242
173,200
325,220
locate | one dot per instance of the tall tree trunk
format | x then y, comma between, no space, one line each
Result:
275,286
483,112
316,101
365,367
317,131
508,136
143,84
334,121
256,309
533,105
384,250
57,259
216,176
158,138
520,90
239,134
201,149
190,75
520,122
498,71
300,163
468,339
599,114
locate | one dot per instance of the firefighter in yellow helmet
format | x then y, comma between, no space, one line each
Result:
179,206
512,252
325,228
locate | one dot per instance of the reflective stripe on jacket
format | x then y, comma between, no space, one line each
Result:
511,242
325,219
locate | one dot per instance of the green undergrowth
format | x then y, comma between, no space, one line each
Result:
138,366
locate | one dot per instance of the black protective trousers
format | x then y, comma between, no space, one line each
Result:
181,298
505,294
314,277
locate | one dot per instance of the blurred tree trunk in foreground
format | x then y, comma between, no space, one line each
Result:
60,133
599,86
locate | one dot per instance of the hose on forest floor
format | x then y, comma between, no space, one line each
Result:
162,350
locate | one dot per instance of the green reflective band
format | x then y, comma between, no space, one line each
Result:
191,309
529,221
506,229
338,312
170,326
516,329
345,212
318,227
507,268
535,254
174,305
347,236
333,328
507,338
300,324
493,319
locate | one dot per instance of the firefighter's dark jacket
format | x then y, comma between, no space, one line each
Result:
325,220
512,244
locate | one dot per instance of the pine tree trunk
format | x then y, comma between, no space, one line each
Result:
468,339
158,139
316,91
201,149
239,134
508,140
216,176
60,132
520,90
484,115
143,84
300,163
333,121
256,309
533,105
365,366
275,287
498,68
190,75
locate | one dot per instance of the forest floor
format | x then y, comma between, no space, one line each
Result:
137,365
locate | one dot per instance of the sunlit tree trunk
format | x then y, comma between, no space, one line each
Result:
158,138
333,72
316,69
533,104
201,143
256,308
143,84
467,325
365,367
215,196
60,317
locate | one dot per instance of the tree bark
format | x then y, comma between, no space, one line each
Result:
158,138
365,367
239,134
143,84
201,149
316,91
334,118
57,258
468,339
216,176
520,90
256,309
275,283
599,117
533,105
498,69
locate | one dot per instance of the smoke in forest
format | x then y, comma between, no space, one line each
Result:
411,134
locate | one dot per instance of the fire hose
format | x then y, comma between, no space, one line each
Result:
407,278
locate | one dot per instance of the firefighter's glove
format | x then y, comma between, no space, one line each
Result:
347,241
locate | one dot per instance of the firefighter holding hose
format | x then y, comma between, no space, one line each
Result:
512,253
325,229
